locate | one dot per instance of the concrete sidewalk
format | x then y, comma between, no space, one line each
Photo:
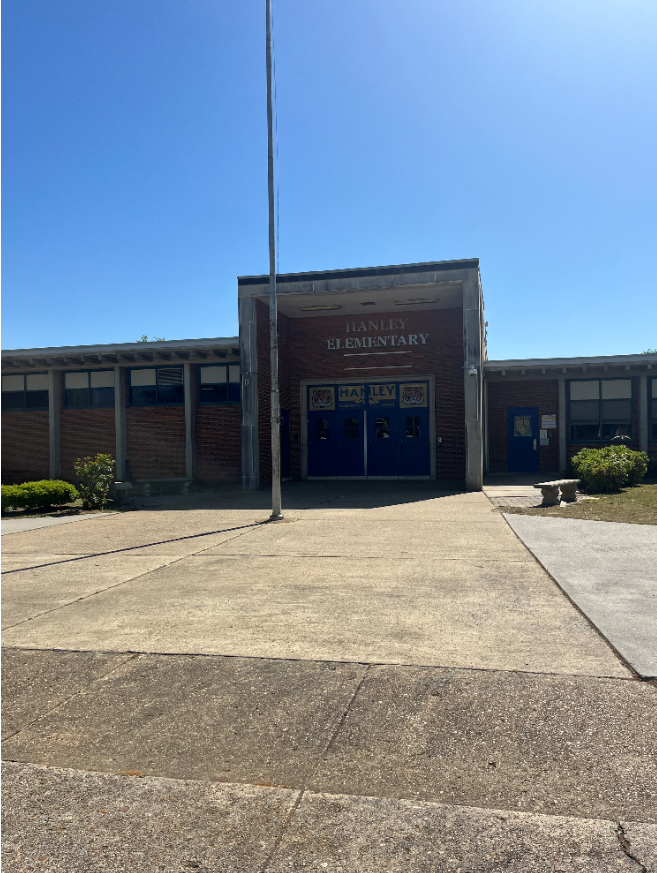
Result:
385,680
610,572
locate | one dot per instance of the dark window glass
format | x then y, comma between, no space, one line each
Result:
616,410
321,428
608,431
102,397
351,428
36,399
584,410
144,395
413,425
382,428
76,397
235,392
13,399
584,432
171,394
214,393
654,430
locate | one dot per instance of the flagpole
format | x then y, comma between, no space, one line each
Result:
273,306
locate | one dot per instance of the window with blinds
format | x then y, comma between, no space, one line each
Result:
157,386
599,409
25,391
219,383
84,388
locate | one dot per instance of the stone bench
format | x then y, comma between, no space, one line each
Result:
551,495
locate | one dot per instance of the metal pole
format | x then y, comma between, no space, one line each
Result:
273,307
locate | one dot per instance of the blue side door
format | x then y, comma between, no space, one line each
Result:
414,443
522,439
382,442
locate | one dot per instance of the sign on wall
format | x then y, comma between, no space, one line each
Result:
351,396
548,422
412,394
383,395
322,398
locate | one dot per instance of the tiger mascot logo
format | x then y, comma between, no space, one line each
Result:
413,395
321,398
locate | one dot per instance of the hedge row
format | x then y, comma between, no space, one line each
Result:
38,495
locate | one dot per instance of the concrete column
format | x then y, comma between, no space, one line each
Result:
473,381
54,422
643,413
190,422
249,365
120,424
562,421
486,437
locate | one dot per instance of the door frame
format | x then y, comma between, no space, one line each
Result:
368,380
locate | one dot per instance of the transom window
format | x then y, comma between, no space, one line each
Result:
653,410
89,388
600,409
219,383
25,391
157,386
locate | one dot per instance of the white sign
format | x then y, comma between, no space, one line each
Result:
548,422
543,434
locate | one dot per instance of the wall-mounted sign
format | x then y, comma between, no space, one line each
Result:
544,435
383,395
549,422
351,395
412,394
322,398
377,342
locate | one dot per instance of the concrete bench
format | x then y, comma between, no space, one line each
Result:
551,495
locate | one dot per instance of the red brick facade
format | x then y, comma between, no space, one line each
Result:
303,354
156,442
85,432
25,446
541,393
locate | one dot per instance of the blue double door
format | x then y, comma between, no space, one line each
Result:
369,430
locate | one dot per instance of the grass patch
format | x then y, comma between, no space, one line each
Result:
632,506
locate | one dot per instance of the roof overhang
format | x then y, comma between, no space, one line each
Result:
139,354
613,364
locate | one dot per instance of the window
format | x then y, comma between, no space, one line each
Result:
653,410
157,386
25,392
600,409
321,428
219,383
382,428
351,428
89,388
413,426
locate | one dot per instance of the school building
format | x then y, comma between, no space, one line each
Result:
384,374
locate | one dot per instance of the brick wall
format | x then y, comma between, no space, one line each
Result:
85,432
218,440
156,442
25,446
542,393
304,355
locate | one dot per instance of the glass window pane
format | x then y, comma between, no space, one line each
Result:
351,428
321,428
654,431
171,394
13,400
584,410
102,396
608,431
613,389
142,377
234,373
616,410
212,375
36,399
413,426
235,392
102,378
36,382
76,397
170,376
76,380
13,383
586,390
382,428
654,388
144,395
654,409
582,433
214,393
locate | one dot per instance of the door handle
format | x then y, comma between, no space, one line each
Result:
534,445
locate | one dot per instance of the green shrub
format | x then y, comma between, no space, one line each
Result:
610,468
95,475
38,495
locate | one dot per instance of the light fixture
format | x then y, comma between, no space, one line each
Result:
318,308
415,301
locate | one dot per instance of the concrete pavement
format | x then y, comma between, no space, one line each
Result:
610,572
386,680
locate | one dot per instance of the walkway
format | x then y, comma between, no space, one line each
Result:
387,680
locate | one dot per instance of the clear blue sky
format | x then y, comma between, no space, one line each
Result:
521,133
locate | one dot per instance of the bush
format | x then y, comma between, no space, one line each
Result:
610,468
95,475
38,495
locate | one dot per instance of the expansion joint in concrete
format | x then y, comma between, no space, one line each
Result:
625,846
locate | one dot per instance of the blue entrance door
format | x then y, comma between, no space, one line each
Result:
398,430
522,439
382,442
350,452
414,442
322,431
